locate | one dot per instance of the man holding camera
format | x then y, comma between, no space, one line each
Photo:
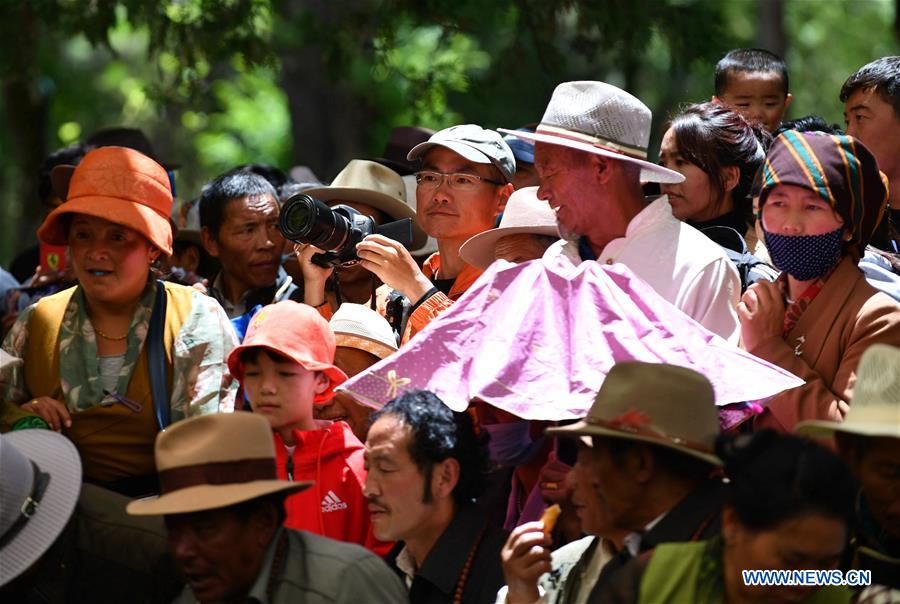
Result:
464,182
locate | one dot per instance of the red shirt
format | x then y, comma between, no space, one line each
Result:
334,506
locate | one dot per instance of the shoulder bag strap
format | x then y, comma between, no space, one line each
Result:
156,358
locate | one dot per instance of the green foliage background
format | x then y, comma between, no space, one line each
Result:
214,82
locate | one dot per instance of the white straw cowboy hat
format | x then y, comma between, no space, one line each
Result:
371,183
658,404
358,326
875,407
524,213
40,479
214,461
599,118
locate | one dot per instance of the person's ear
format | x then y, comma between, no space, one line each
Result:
642,463
729,525
602,167
210,244
503,194
788,98
264,523
716,100
444,478
732,176
322,382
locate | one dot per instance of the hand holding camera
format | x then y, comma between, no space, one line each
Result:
392,263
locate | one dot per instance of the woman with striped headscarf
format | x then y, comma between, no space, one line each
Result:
822,198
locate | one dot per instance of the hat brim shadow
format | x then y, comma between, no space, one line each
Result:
582,428
650,172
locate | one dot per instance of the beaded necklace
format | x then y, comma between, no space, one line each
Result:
464,575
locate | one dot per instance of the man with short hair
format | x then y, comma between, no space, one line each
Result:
653,429
590,152
464,182
224,510
426,469
239,226
869,441
871,98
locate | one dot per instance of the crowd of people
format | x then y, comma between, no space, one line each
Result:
173,422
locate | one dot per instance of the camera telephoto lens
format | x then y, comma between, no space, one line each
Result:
304,219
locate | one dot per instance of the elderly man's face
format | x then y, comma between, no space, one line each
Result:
568,183
220,553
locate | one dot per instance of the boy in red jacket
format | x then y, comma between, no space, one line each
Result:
285,366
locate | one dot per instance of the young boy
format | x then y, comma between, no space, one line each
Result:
754,82
286,366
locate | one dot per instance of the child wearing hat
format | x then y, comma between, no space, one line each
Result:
286,367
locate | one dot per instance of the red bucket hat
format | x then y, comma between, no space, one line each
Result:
116,184
297,332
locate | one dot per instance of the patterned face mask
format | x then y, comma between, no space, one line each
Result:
805,257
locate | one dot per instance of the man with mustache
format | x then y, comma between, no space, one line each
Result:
426,469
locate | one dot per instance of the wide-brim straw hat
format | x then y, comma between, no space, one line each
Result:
117,184
524,213
662,405
358,326
875,406
374,184
55,456
214,461
599,118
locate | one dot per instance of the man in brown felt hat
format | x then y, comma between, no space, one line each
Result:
652,431
224,510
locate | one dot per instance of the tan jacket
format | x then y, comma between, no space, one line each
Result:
825,346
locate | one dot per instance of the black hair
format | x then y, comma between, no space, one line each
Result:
672,462
809,123
743,60
222,189
249,355
776,477
439,433
67,156
713,137
883,75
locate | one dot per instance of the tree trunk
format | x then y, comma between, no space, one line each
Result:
26,121
329,122
770,27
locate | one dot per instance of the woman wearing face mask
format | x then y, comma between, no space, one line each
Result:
822,197
789,507
718,152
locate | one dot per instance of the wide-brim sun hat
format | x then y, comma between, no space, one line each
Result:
524,214
658,404
376,185
117,184
358,326
875,406
296,331
56,457
214,461
598,118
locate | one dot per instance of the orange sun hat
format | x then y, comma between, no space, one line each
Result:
117,184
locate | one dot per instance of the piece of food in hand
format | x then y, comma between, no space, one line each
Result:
549,517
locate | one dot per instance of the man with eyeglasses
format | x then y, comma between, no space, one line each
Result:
463,184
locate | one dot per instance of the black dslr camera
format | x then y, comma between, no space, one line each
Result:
337,230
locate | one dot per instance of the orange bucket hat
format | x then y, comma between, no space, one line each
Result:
298,332
117,184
